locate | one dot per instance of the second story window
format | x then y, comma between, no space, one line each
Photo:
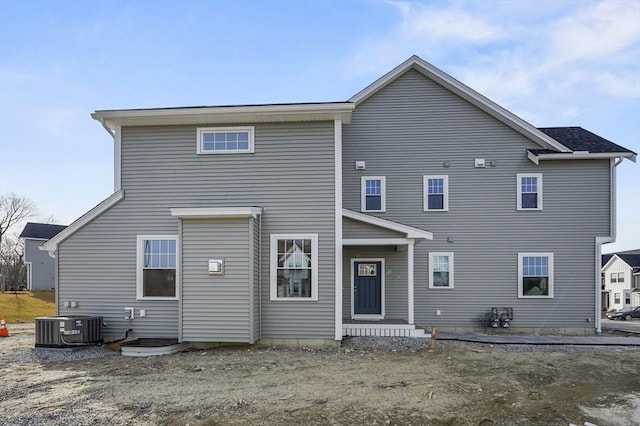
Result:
529,191
225,140
436,193
373,197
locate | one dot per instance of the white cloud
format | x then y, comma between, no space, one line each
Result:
545,64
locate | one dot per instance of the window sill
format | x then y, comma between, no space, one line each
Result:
156,298
535,297
368,317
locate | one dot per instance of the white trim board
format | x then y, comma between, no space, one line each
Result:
215,212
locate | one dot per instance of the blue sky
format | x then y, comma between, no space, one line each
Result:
554,63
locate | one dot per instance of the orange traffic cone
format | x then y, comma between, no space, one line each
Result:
4,331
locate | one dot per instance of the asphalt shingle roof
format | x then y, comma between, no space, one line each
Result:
579,139
632,260
41,230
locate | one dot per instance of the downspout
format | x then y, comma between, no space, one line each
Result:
260,277
613,163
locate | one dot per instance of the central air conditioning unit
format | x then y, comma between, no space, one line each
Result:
65,332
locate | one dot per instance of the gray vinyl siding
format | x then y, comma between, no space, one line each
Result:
42,265
395,277
410,129
216,308
290,175
355,229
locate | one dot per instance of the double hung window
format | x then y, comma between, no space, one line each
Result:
535,275
373,194
529,191
157,275
436,193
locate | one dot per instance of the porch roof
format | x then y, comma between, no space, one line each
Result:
409,231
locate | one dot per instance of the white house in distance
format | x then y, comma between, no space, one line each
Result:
621,279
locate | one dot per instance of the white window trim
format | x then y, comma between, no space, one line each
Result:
202,130
273,263
451,268
363,194
382,290
519,177
550,270
425,195
140,265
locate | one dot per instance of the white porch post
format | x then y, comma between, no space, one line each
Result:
410,279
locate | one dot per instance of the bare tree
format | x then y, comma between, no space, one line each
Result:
13,209
12,268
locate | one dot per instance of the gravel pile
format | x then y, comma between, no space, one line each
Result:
391,344
44,355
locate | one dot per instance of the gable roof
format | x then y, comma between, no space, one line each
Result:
630,257
410,231
445,80
41,231
632,260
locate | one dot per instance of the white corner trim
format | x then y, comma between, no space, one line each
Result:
410,283
215,212
410,231
464,91
117,158
337,134
382,290
113,199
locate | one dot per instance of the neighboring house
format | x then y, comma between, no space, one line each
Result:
621,280
416,203
40,266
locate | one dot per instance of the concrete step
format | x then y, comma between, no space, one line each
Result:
419,333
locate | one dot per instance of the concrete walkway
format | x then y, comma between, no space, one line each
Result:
515,339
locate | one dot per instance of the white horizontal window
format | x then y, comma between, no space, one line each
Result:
440,270
225,140
373,194
535,275
157,267
529,191
436,193
294,267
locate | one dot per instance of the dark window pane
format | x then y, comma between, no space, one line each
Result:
441,279
529,201
159,283
243,145
374,202
535,286
436,202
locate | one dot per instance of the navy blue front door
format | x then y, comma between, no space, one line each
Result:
367,288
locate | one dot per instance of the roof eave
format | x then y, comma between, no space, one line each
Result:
226,115
578,155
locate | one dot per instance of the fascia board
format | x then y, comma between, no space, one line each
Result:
230,114
215,212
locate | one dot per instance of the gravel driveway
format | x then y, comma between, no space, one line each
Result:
368,381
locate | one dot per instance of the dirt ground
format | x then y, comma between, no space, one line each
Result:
455,384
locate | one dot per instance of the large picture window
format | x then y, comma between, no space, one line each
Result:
373,194
157,275
535,275
441,270
294,267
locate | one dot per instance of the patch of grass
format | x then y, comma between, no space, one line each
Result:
24,306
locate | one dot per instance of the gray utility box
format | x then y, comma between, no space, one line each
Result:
64,332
